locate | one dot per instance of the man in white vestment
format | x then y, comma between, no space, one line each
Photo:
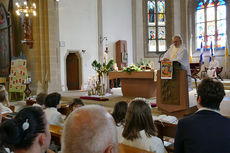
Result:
178,52
211,72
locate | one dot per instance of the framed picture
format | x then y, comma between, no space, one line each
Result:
124,57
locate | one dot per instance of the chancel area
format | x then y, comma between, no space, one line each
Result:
161,62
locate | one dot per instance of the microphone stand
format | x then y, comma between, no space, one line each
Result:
159,60
194,79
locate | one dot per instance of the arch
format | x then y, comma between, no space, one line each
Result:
78,68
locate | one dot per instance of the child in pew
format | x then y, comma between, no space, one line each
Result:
4,102
139,130
77,103
118,114
52,103
40,100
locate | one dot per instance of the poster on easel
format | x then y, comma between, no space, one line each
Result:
18,75
166,69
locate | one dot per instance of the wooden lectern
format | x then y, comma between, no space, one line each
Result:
172,94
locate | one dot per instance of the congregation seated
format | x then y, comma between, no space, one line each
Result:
4,102
28,132
90,129
40,100
213,65
139,130
118,114
52,103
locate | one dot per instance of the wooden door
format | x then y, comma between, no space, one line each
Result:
72,68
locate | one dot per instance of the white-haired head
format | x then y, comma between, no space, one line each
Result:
90,129
177,40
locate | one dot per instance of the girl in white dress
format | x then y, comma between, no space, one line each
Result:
139,130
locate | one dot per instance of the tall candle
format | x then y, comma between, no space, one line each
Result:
105,57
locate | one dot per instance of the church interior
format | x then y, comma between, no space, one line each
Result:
57,42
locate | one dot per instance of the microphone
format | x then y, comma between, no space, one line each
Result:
159,60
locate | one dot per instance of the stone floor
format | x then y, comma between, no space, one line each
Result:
116,96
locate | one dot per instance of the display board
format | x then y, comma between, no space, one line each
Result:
18,76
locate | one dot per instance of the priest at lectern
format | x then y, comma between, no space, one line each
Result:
178,52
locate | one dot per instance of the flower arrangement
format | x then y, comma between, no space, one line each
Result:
131,68
98,86
145,100
144,65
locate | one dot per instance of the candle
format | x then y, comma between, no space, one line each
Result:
93,79
152,65
103,78
115,67
105,57
89,79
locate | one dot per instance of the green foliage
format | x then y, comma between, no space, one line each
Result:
96,65
131,68
104,68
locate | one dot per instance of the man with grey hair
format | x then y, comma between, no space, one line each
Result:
90,129
178,52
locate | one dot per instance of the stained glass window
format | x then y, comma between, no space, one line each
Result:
211,24
156,25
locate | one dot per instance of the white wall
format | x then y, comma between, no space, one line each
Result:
117,25
78,29
177,17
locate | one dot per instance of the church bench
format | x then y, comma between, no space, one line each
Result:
128,149
56,132
166,130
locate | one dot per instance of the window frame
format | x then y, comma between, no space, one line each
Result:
205,26
168,29
156,26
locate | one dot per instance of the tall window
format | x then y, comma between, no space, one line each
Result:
211,24
156,23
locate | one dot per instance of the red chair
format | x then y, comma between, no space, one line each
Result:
195,69
218,71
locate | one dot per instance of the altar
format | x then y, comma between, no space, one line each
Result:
136,84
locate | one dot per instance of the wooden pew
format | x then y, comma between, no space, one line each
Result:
166,130
56,132
128,149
